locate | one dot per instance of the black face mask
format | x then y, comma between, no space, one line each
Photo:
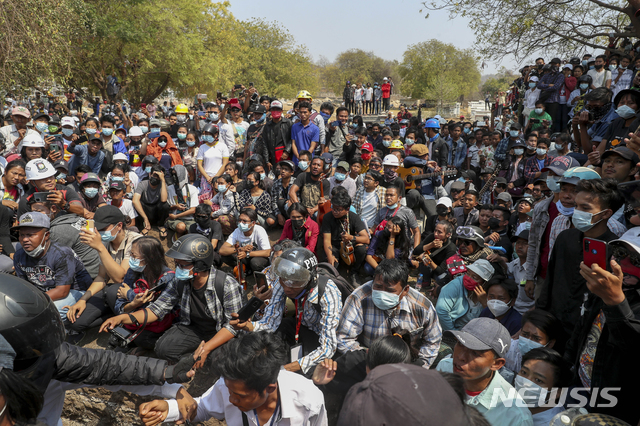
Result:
494,223
442,210
249,184
297,223
598,67
154,181
203,223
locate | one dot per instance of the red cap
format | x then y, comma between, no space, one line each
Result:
367,146
233,103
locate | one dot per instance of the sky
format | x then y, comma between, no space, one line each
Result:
387,28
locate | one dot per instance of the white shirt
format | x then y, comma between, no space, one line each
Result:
369,207
212,156
127,208
368,94
530,98
544,418
258,238
190,195
226,136
10,134
301,404
599,78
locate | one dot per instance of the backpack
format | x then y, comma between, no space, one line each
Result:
162,324
218,285
327,272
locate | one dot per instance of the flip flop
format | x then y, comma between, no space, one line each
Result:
163,233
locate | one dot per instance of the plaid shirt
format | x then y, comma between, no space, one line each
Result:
262,205
531,167
233,301
324,324
539,223
359,199
278,192
562,222
362,321
556,80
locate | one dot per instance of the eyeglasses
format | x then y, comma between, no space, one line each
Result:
621,252
467,232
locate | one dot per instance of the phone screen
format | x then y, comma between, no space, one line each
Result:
261,279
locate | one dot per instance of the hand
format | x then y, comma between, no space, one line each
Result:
56,198
92,239
510,185
55,155
604,284
147,225
262,293
88,214
594,157
182,207
200,356
240,325
426,259
583,120
332,260
186,405
242,254
494,257
395,230
529,288
154,412
494,237
74,311
436,244
141,298
281,219
172,217
347,238
160,175
481,295
22,133
123,290
11,204
111,323
324,372
251,206
633,142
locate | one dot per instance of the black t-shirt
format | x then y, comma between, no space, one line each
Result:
333,226
618,131
397,182
213,232
204,325
310,190
67,192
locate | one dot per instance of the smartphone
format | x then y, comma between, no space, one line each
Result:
159,288
237,87
54,147
261,279
595,251
57,138
90,225
218,95
249,309
201,113
41,197
250,84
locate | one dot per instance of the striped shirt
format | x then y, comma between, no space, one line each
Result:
362,322
323,323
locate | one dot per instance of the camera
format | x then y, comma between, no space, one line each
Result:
120,337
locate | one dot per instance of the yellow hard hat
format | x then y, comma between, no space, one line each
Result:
182,109
397,144
303,94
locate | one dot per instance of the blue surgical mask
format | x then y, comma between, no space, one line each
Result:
243,227
525,345
69,132
303,165
518,151
532,85
147,170
162,144
591,67
183,274
541,151
117,178
340,176
213,116
514,133
262,176
42,127
91,192
134,265
207,138
61,176
222,188
623,111
107,131
393,207
612,67
91,131
191,143
582,220
386,143
584,86
409,142
539,111
584,63
467,130
385,300
107,237
182,136
535,394
553,185
144,129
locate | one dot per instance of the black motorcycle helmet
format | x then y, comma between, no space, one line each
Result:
297,268
165,126
584,78
210,128
193,248
29,321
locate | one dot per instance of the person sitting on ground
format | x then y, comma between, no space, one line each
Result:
467,214
318,304
301,228
370,197
477,356
249,243
150,201
182,202
341,178
210,229
395,209
252,385
389,243
90,194
500,298
308,185
471,246
117,199
165,151
206,297
54,269
255,197
223,204
91,154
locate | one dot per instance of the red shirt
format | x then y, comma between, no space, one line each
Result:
386,90
544,251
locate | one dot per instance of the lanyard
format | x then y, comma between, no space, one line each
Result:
299,316
273,417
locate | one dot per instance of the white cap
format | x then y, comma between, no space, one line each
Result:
34,140
134,131
73,112
39,169
120,156
390,160
568,66
68,121
444,201
534,78
630,238
385,79
276,104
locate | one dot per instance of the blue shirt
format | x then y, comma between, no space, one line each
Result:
600,128
512,320
82,157
303,136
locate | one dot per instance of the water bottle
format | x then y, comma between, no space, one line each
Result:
419,283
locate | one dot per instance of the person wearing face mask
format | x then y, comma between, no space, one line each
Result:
534,165
120,172
595,200
594,121
438,149
576,101
110,142
611,307
116,192
539,118
150,201
209,228
511,136
275,144
248,243
190,155
516,180
627,103
341,178
301,228
206,297
561,145
54,269
339,133
213,156
258,114
183,199
255,197
15,133
531,96
224,204
501,294
90,194
601,76
165,151
621,76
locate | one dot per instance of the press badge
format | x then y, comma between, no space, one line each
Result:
296,352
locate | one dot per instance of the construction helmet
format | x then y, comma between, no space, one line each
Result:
432,123
396,144
182,109
303,94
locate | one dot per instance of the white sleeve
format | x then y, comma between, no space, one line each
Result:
225,151
193,191
232,238
262,239
200,155
211,404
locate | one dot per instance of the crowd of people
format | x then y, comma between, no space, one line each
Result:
525,244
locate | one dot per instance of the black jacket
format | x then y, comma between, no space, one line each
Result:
274,135
439,152
616,358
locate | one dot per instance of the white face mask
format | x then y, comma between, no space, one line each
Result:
532,393
498,307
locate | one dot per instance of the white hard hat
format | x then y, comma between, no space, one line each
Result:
120,156
33,140
39,169
135,131
390,160
68,121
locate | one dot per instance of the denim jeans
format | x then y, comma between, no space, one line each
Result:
72,298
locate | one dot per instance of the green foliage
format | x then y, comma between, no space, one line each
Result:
357,66
438,71
500,83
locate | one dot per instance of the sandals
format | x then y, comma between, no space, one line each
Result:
144,232
163,233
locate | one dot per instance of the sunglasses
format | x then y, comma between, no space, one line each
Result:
464,242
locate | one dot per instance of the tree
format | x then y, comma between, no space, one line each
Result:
357,66
499,83
438,71
522,28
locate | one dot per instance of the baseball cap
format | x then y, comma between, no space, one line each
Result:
344,165
481,334
444,201
90,177
21,111
457,186
483,268
568,66
419,150
517,143
630,238
120,186
276,104
576,174
233,103
120,156
524,234
504,196
486,171
468,174
107,215
62,164
382,398
258,108
95,138
390,160
327,158
501,181
150,159
623,152
288,164
366,147
68,121
559,165
533,78
33,220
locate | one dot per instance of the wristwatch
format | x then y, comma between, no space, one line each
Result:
66,206
391,243
248,255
